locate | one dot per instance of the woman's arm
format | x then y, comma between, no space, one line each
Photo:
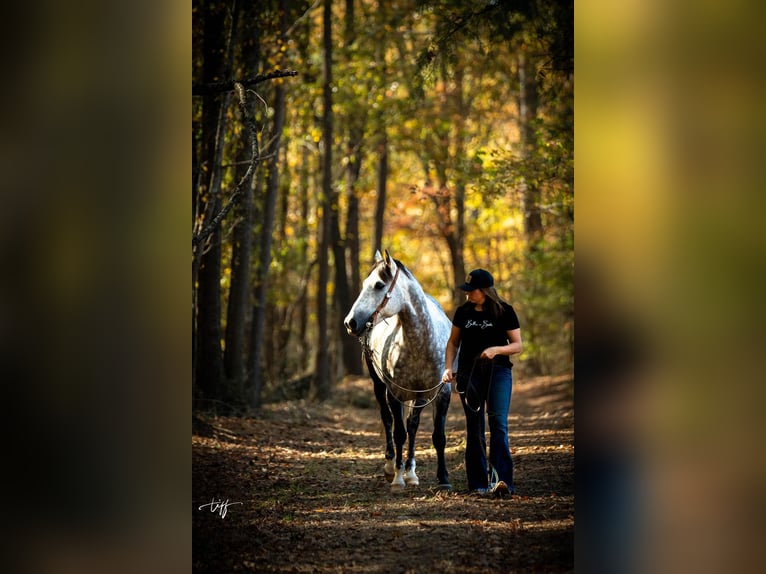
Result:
453,344
512,348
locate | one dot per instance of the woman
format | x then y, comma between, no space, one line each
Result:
486,331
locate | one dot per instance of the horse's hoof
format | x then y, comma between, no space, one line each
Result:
410,476
389,469
398,482
397,486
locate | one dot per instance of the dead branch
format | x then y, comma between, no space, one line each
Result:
208,229
216,87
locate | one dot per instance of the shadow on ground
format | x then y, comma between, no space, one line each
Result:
306,492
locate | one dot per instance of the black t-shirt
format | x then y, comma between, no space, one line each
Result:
479,330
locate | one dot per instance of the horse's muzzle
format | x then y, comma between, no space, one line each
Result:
354,327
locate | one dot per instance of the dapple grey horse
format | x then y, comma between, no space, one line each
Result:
404,334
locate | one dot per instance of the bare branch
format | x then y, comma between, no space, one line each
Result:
261,158
208,229
303,17
216,87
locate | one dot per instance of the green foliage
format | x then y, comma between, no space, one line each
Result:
439,80
550,23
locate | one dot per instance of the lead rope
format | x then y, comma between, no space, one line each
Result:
369,353
470,378
494,478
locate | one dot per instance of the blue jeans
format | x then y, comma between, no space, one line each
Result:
487,390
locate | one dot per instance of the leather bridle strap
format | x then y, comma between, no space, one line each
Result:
385,299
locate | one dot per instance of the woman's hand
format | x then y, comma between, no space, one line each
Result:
447,376
512,348
491,352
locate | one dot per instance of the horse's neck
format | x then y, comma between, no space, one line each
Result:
415,316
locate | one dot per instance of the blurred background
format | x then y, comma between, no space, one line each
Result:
669,199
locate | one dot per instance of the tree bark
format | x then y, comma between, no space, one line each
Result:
352,229
282,315
239,290
228,85
320,384
449,199
208,361
264,263
265,242
235,353
380,202
533,224
303,317
352,360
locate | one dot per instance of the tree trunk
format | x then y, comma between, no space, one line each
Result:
380,203
347,290
238,310
450,202
303,317
209,365
351,351
235,354
352,228
457,261
320,384
208,361
349,347
283,314
264,263
239,290
533,225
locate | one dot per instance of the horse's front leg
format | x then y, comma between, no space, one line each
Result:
413,421
387,419
400,435
441,406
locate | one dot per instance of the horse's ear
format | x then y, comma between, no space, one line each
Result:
388,257
378,256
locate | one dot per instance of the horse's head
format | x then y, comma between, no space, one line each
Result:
378,297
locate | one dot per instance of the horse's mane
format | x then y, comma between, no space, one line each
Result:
386,273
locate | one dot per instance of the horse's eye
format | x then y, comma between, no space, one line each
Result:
379,285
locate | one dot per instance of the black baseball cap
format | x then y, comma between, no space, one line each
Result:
478,279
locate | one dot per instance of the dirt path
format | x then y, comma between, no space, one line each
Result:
306,491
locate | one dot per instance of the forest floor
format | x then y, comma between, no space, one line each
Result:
306,492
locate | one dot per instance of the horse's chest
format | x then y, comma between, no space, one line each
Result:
411,359
412,363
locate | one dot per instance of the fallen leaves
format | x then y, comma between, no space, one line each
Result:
314,497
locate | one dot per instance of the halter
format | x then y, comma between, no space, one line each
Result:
384,302
364,340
